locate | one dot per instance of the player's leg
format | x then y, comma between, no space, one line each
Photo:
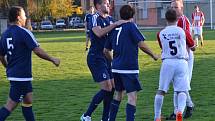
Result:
189,102
105,90
181,85
27,107
7,109
12,102
131,106
196,36
107,99
117,98
201,36
115,105
101,75
164,81
132,85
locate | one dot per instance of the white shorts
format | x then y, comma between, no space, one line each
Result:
197,30
175,71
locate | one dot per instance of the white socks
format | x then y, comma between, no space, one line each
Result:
158,105
189,102
181,101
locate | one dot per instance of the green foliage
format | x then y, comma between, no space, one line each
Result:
63,94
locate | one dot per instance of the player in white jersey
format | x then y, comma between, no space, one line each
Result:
184,23
198,21
173,40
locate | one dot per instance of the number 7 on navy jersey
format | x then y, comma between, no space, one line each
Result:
118,34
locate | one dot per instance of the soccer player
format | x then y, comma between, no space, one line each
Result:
184,23
125,41
172,41
99,66
88,19
198,21
17,44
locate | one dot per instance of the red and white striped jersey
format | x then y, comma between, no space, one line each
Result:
197,18
174,41
184,23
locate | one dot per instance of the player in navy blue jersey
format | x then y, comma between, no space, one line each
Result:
125,40
88,19
16,46
99,66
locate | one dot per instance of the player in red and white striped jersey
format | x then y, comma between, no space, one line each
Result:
198,21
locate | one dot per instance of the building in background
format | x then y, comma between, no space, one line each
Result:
3,20
151,13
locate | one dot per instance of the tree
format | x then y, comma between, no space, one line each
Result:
61,8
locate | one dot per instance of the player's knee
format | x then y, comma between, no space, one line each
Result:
132,98
119,95
160,92
11,105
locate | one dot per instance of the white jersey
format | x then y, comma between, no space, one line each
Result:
173,42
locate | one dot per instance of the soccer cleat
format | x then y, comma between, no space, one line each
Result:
85,118
179,116
157,119
202,44
171,117
188,112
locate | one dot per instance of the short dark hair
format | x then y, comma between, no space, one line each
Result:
95,2
127,12
14,12
171,15
196,6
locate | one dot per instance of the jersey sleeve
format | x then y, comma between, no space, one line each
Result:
30,40
158,39
135,34
96,21
189,40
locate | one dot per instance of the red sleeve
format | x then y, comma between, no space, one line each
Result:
159,41
189,39
180,23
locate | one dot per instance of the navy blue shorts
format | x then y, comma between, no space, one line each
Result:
99,68
128,82
19,89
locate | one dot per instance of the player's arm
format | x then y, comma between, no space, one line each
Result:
42,54
203,19
100,32
147,50
189,41
108,54
3,61
192,19
158,39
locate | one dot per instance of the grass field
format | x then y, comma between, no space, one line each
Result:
63,94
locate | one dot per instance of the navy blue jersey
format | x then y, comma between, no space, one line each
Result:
88,20
124,40
17,44
97,44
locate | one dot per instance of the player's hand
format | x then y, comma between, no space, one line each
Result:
156,57
56,61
